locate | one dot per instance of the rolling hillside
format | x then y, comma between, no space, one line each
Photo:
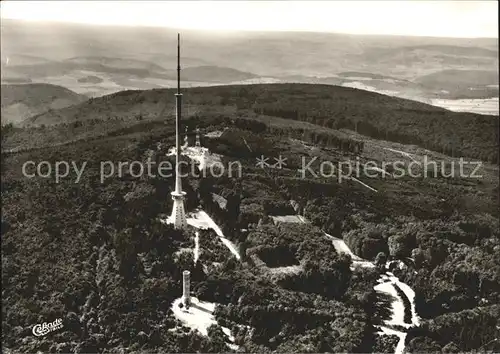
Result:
20,102
368,113
215,74
463,83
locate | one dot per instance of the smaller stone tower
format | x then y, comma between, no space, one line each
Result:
186,288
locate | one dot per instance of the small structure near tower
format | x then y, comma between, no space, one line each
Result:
186,289
198,144
186,142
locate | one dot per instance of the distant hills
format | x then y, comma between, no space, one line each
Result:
142,57
215,74
90,79
116,63
100,60
462,83
92,64
19,102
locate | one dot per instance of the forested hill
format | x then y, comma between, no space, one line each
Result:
18,102
94,253
371,114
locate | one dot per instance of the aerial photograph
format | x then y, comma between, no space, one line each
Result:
250,176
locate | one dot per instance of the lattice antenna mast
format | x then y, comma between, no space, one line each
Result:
178,216
178,97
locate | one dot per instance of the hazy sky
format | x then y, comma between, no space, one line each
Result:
419,17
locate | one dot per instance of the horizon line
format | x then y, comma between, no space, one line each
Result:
232,30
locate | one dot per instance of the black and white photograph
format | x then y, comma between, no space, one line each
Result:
250,177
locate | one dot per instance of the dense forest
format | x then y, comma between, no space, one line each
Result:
96,254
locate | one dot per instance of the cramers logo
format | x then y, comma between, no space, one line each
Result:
44,328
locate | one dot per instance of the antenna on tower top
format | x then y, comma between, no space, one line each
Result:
178,63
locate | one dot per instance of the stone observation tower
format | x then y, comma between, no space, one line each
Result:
186,296
178,216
